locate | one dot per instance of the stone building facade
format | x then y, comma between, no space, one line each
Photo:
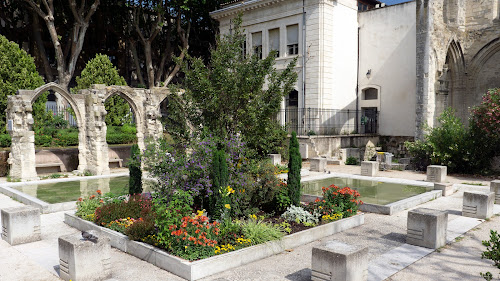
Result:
408,61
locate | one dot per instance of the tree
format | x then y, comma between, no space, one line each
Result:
66,57
220,177
294,167
134,167
228,96
100,70
18,71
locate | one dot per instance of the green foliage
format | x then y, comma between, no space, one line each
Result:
492,252
294,167
351,161
336,202
137,206
421,152
227,96
85,208
18,71
121,134
299,215
134,167
5,140
100,70
219,175
282,200
141,229
260,232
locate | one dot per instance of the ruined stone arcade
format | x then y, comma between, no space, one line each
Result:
89,110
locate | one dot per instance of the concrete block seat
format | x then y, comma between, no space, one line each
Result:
59,167
337,261
117,161
21,225
427,228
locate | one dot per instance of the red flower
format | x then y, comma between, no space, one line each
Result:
98,192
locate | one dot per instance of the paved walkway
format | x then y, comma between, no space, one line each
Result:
384,235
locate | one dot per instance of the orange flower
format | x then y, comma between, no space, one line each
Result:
98,192
92,197
80,199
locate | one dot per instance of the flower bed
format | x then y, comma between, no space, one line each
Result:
209,266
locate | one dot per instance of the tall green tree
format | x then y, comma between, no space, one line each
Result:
294,167
135,172
220,177
100,70
18,71
228,96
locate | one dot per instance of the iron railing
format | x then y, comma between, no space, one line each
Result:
318,121
64,111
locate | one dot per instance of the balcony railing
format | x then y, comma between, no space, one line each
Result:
317,121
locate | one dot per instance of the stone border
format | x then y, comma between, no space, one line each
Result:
46,208
209,266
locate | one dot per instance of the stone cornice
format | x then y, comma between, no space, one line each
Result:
242,7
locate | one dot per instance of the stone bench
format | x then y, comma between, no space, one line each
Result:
275,159
21,225
478,204
447,188
369,168
118,161
58,165
318,164
338,261
436,173
427,228
495,187
81,259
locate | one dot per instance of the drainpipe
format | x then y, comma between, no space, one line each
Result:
303,59
357,89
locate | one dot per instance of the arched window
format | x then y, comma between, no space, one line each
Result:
370,94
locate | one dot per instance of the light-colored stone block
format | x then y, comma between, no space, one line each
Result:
495,187
427,228
318,164
81,259
337,261
304,150
21,225
447,188
275,159
478,204
436,173
369,168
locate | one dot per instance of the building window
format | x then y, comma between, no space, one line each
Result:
257,44
244,49
274,41
370,94
292,39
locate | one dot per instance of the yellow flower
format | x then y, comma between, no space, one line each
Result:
253,217
200,213
227,206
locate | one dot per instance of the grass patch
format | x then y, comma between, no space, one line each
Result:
474,183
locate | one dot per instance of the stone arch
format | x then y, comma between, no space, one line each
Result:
64,93
483,72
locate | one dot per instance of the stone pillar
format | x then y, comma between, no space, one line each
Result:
81,259
478,204
495,187
153,128
19,126
446,188
97,147
436,173
21,225
427,228
369,168
337,261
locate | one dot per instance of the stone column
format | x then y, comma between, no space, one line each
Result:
19,126
97,147
152,125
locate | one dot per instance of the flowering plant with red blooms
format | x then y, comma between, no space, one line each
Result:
87,206
195,238
337,200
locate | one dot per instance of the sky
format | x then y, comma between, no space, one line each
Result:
392,2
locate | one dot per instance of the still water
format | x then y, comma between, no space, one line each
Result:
72,190
373,192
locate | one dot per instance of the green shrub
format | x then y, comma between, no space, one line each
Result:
281,199
64,138
5,140
120,138
85,207
18,71
294,167
492,252
138,206
43,140
141,229
135,172
336,203
260,232
299,215
100,70
219,175
351,161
